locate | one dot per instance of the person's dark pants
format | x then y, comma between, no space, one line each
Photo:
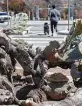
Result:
53,26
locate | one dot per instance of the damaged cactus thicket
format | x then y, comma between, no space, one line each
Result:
48,77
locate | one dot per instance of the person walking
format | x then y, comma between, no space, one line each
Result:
54,18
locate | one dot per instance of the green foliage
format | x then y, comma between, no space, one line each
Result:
20,23
78,28
71,38
66,11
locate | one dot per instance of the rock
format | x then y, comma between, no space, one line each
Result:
27,79
6,67
30,103
59,83
77,97
57,75
56,92
49,54
31,51
18,70
4,41
38,95
75,100
7,90
20,48
57,103
48,50
6,97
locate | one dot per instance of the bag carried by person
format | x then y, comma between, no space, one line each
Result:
52,15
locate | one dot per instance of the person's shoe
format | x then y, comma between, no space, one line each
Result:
48,36
52,35
56,30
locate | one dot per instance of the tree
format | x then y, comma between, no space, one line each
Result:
15,5
78,28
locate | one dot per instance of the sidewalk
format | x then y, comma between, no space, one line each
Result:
36,35
61,22
36,27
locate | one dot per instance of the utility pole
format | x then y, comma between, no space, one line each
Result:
7,6
37,12
48,11
68,13
9,21
74,18
32,13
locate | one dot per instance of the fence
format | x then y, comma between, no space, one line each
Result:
42,13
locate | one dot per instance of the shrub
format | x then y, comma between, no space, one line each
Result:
78,28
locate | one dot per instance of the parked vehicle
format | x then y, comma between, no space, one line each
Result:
4,17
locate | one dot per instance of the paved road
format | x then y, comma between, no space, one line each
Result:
61,22
38,41
38,29
36,36
37,26
35,33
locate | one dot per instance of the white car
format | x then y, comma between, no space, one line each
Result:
4,17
